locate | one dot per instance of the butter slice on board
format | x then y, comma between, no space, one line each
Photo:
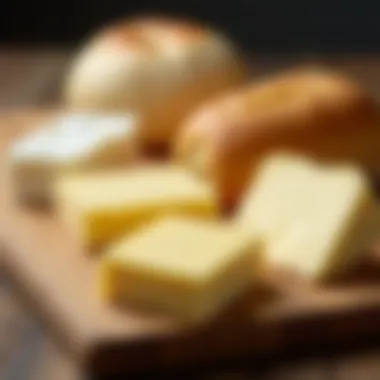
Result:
311,217
189,268
101,206
75,141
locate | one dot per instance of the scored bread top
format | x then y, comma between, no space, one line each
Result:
152,34
165,37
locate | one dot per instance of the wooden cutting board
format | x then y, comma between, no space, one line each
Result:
60,281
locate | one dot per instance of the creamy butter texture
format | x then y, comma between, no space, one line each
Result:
314,218
103,205
190,268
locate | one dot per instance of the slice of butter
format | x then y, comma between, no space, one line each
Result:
101,206
71,142
190,268
309,216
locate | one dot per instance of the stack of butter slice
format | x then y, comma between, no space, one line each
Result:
162,243
157,226
309,216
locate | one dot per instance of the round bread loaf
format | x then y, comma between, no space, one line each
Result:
311,110
160,68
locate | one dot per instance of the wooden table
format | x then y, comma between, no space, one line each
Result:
32,78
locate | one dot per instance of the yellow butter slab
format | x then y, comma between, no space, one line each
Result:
188,267
101,206
315,218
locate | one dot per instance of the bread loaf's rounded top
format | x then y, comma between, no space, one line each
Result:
160,68
160,37
149,57
302,101
152,34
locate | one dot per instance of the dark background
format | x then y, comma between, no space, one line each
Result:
259,25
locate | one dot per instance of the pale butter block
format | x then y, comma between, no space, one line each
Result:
186,267
69,143
101,206
309,216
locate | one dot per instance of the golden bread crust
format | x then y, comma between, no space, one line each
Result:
311,110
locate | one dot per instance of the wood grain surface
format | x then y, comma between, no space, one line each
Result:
31,79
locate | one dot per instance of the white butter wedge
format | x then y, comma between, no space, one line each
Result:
71,142
312,217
